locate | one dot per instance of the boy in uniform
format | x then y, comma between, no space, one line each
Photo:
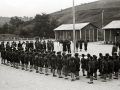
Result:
116,66
72,66
69,59
96,66
77,62
30,58
91,67
26,60
54,61
100,59
16,58
7,56
83,66
104,68
59,64
22,57
110,67
41,62
12,58
36,62
87,67
46,63
2,55
65,64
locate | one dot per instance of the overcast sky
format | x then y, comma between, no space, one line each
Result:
30,8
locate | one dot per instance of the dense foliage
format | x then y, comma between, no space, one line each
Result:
41,25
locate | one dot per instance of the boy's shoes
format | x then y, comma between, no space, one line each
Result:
60,77
99,75
66,78
37,72
54,76
46,74
41,73
77,78
84,75
72,79
90,82
87,77
95,78
103,80
116,78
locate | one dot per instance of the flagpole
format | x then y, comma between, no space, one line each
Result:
74,26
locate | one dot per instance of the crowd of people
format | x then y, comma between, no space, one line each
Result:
66,45
44,60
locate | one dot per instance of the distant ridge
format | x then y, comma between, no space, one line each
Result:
4,20
91,12
88,12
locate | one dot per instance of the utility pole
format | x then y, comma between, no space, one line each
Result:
102,18
102,23
74,26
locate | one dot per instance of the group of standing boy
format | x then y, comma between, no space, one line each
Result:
46,60
66,44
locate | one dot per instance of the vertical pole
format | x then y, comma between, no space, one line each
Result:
89,35
97,34
110,35
93,35
115,35
75,34
74,26
63,35
85,35
55,35
80,34
60,34
102,18
66,34
102,24
104,36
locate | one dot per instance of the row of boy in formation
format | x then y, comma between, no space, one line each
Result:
39,59
66,44
42,44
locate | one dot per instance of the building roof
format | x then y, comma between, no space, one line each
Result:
78,26
113,25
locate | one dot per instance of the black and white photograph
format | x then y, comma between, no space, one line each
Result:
59,44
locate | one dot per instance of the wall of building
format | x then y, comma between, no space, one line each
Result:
118,37
111,37
107,35
89,29
86,33
113,33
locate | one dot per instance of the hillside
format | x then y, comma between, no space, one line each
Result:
91,12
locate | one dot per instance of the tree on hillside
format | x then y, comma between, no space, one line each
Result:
26,31
15,23
0,30
43,26
5,28
53,24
